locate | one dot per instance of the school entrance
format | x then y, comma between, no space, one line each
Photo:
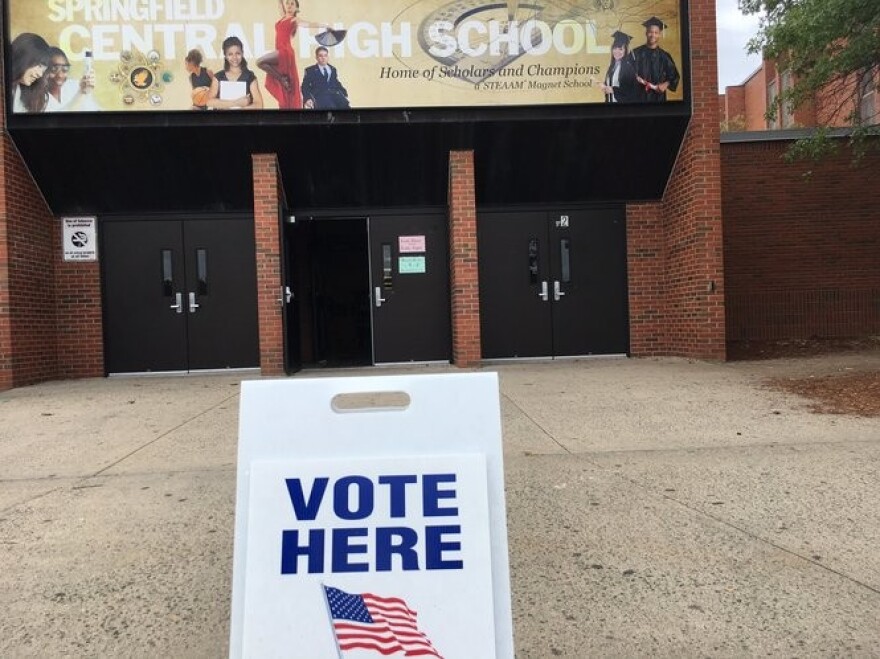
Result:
365,290
179,294
553,283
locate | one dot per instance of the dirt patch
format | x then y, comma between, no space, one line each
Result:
794,348
851,393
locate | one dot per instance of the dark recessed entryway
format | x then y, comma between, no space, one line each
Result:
366,290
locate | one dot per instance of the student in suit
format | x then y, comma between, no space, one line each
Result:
321,88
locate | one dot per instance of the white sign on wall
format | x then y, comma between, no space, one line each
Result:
80,239
371,532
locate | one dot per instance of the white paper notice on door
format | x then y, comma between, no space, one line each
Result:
411,265
411,244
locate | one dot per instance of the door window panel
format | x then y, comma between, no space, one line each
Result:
565,259
167,274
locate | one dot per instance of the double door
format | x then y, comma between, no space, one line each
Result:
366,290
553,284
179,295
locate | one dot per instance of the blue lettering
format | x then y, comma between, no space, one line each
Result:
386,547
398,492
306,510
431,495
342,548
435,546
364,498
291,551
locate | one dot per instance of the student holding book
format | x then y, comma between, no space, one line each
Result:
236,86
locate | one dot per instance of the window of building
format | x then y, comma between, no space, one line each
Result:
867,99
772,96
785,111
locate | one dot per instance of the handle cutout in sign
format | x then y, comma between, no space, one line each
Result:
370,401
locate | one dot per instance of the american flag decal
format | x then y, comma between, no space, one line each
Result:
383,624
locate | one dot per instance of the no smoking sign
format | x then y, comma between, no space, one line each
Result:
80,239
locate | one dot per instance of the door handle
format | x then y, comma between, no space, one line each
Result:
379,298
193,305
286,296
557,291
544,295
178,305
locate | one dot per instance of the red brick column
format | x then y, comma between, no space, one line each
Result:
5,321
646,266
464,278
80,333
5,317
267,200
692,210
27,284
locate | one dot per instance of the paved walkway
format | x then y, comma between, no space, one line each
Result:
655,507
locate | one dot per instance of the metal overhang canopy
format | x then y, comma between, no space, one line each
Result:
125,164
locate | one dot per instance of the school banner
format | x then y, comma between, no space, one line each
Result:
169,55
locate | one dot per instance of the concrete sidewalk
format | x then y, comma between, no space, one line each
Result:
655,507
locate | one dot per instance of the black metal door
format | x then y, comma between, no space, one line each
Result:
144,287
221,288
179,295
553,284
410,288
515,317
588,287
291,318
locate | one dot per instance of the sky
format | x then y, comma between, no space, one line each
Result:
734,30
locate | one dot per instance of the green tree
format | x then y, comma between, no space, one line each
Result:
831,46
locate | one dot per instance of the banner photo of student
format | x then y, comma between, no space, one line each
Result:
209,55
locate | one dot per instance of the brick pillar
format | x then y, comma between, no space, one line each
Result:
464,279
267,201
5,317
80,334
646,266
692,210
27,285
5,321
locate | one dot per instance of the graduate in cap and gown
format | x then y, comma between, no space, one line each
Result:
620,84
655,70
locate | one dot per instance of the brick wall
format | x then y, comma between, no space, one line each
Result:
28,311
78,314
693,313
801,251
756,101
267,201
6,359
733,113
837,102
646,263
27,280
463,271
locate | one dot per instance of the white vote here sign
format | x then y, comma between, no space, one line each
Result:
370,532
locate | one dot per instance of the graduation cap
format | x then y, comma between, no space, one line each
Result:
654,21
620,39
330,37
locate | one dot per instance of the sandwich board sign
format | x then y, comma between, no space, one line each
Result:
365,528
